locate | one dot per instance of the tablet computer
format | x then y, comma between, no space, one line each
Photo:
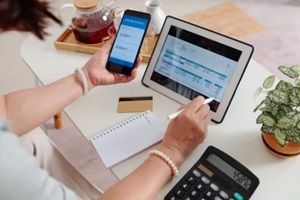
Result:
189,60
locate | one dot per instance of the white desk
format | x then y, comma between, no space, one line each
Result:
238,135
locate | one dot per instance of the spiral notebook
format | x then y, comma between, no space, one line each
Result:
128,137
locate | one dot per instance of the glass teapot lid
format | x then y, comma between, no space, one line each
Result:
86,4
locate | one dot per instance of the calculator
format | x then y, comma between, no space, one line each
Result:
215,176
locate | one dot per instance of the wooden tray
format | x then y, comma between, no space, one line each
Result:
67,41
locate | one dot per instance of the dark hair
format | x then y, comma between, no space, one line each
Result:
25,15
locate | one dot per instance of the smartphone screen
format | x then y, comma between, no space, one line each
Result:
128,42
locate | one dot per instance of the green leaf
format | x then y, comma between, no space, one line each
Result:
294,139
266,109
294,96
270,107
287,109
292,135
296,68
258,106
297,82
267,129
280,137
283,86
268,102
296,116
257,92
286,122
288,71
265,119
278,113
278,97
268,82
298,126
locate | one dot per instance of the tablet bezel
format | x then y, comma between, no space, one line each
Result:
246,53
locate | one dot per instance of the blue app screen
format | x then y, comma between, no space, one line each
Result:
128,40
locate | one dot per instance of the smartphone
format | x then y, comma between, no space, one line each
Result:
128,42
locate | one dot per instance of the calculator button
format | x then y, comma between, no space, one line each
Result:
179,192
203,198
214,187
205,180
193,193
208,194
172,198
238,196
185,186
200,186
196,173
186,197
191,180
224,194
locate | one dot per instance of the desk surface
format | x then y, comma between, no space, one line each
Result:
238,135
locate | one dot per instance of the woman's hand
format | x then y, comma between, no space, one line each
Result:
97,73
186,131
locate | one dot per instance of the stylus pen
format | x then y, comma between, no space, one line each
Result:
172,116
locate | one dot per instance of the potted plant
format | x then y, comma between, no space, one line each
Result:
280,112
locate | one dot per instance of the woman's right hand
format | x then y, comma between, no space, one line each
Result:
186,131
97,74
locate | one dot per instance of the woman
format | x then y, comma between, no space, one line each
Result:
22,178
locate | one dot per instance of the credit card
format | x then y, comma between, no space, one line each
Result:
135,104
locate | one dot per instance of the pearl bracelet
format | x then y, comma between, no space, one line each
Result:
83,79
165,158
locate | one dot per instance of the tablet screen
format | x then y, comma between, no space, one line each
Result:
189,60
192,65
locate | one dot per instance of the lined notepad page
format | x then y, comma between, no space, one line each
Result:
128,137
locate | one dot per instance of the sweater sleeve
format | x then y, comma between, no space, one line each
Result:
21,177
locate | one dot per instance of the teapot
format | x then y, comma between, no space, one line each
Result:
90,20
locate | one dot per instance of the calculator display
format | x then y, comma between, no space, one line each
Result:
233,173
